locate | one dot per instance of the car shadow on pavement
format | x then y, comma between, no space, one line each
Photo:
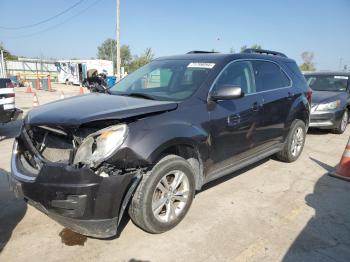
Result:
12,210
326,237
9,130
315,131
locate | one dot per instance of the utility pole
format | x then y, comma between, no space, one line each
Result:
2,63
118,40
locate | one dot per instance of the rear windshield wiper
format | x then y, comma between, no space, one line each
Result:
141,95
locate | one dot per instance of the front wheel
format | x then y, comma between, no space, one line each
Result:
343,123
294,143
164,195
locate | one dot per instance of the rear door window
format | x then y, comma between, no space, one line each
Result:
269,76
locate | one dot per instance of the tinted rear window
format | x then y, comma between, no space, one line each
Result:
269,76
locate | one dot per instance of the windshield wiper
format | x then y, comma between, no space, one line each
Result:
141,95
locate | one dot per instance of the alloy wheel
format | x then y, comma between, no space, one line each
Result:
297,142
344,121
170,196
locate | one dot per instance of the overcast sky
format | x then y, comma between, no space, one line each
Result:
175,27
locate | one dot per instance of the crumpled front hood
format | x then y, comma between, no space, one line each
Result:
326,96
94,107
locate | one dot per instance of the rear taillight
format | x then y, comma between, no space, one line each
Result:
309,94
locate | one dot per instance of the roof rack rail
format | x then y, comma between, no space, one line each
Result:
201,52
262,51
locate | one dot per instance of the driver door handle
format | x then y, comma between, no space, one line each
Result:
256,106
233,119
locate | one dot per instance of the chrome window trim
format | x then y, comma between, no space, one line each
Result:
251,59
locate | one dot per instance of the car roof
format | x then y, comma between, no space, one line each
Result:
220,57
335,73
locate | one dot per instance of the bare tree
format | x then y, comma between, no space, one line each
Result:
308,64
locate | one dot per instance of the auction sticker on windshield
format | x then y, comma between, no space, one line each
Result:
341,77
201,65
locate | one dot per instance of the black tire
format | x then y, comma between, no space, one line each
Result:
140,209
342,125
287,155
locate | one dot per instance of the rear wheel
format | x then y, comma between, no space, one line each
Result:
343,123
164,195
294,143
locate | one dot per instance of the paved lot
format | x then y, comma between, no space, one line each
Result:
268,212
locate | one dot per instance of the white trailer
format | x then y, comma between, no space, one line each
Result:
76,71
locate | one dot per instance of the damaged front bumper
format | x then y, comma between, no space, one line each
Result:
77,198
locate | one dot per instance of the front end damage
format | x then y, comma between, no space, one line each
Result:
89,197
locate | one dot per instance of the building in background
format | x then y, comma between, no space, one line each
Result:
28,68
62,71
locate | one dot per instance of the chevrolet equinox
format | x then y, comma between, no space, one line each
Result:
157,137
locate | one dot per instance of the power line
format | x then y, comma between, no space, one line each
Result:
43,21
59,24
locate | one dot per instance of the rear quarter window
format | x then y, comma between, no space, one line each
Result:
269,76
296,71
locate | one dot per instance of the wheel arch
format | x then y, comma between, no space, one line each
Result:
299,110
186,149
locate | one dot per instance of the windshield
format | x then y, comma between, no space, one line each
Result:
327,82
164,80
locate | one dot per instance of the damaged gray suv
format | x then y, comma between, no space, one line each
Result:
156,137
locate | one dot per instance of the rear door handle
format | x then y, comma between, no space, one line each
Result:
290,95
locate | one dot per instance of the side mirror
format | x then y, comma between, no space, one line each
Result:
227,92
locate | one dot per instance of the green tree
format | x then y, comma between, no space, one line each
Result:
308,64
7,54
255,46
141,60
107,51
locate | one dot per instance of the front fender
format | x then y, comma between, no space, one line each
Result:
158,140
145,144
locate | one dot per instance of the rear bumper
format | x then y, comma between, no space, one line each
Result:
326,119
76,198
10,114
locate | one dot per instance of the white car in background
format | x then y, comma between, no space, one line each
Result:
8,111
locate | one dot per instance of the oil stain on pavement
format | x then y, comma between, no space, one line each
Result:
70,238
